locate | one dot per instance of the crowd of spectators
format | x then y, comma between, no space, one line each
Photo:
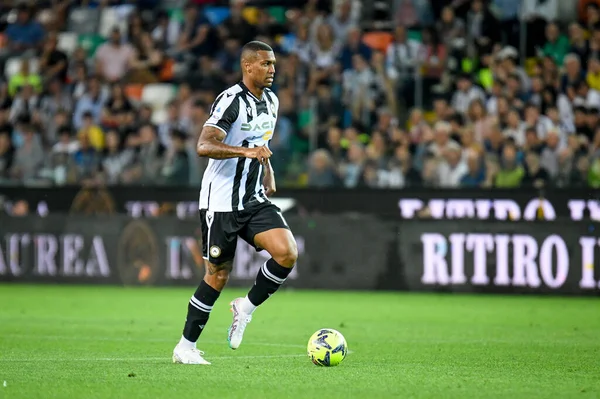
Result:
451,97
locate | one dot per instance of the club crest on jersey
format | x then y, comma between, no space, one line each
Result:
273,108
215,251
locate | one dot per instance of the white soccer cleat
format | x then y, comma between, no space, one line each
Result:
240,321
183,355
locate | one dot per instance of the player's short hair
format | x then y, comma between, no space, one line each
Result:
251,48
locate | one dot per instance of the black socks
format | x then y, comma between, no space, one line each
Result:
269,278
199,309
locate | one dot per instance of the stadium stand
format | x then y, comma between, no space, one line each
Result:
387,93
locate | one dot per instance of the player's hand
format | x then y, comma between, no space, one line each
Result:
269,182
261,153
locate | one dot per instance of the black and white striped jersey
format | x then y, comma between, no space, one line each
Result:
235,183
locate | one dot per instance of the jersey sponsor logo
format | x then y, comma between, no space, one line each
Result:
258,127
266,137
264,130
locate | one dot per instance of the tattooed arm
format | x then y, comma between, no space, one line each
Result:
210,144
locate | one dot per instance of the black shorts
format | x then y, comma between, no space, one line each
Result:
220,230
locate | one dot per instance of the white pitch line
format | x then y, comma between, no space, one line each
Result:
136,339
142,359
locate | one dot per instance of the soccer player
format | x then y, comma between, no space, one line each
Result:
233,202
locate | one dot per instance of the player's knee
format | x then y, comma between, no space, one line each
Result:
218,280
288,255
217,275
222,278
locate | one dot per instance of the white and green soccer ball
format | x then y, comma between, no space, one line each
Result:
327,347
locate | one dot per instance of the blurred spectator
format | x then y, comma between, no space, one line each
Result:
196,38
24,77
410,13
176,169
5,102
149,158
145,62
25,35
466,93
53,62
6,154
361,89
402,60
351,170
116,160
353,46
442,141
342,20
114,59
594,174
449,27
475,175
536,176
410,177
323,52
86,158
173,121
65,143
430,173
93,133
550,154
92,100
118,109
557,44
577,41
24,104
511,173
508,11
29,157
579,177
321,171
444,98
60,120
235,26
54,101
565,168
515,128
451,168
432,59
165,33
228,61
482,27
573,72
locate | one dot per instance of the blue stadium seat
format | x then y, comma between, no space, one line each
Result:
216,15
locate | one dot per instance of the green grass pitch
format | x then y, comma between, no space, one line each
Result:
113,342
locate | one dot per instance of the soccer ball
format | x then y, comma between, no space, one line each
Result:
327,347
